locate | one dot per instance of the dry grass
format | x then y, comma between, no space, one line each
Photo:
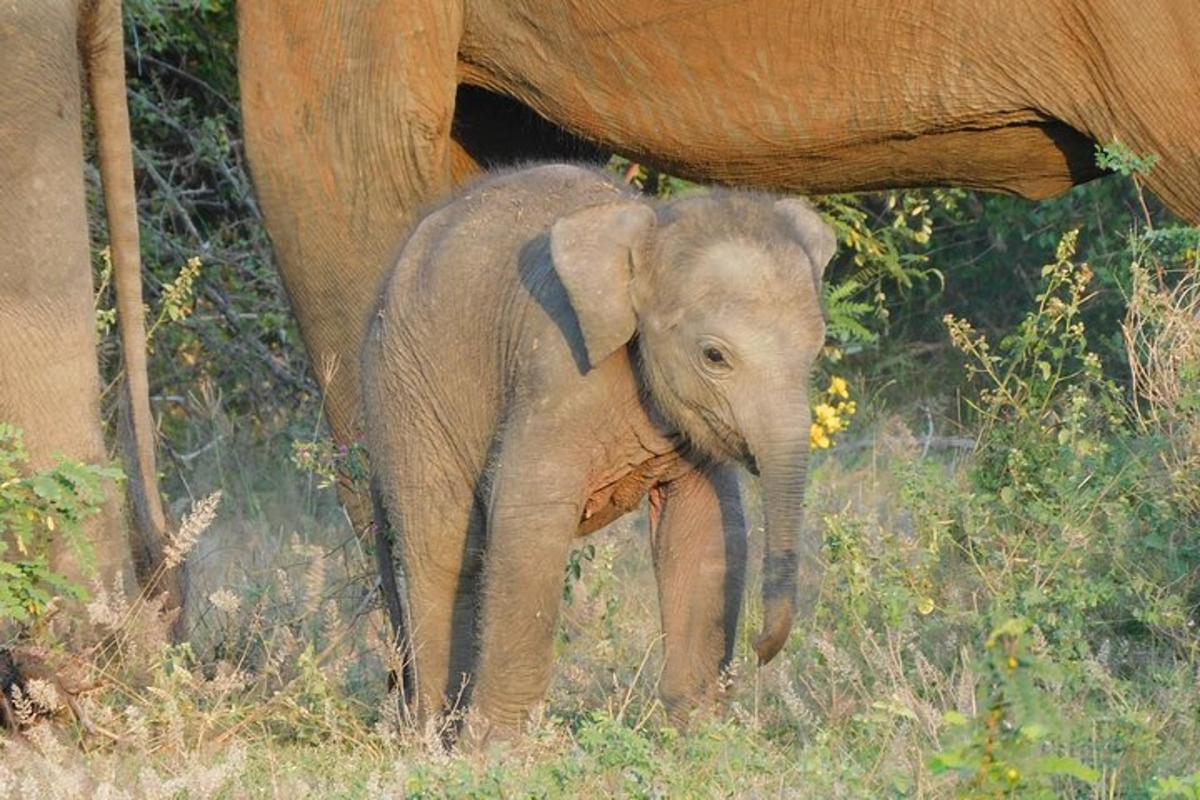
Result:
285,672
1162,339
281,691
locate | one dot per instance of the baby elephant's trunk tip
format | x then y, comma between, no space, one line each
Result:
777,626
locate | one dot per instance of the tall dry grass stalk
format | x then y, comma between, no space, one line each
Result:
195,523
1162,340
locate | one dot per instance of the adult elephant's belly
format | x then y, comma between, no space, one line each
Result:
616,493
788,95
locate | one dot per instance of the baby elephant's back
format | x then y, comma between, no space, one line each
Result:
457,304
464,257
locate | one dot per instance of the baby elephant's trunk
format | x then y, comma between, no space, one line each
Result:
783,466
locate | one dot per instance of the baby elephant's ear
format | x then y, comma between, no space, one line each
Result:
814,234
593,251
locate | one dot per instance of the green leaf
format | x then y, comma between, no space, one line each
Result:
947,761
1066,765
47,488
954,718
1011,627
1034,731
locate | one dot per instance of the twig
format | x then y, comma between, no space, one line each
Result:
192,79
259,349
188,458
85,722
171,194
928,431
650,709
934,443
636,677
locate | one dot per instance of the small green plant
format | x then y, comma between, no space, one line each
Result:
106,315
884,242
1184,787
334,464
1007,750
1047,354
1122,159
178,298
1063,461
1045,465
42,512
574,569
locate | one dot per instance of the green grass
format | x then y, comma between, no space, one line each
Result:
859,705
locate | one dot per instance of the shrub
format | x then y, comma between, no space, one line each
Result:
41,516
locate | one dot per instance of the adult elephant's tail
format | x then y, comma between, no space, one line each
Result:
102,45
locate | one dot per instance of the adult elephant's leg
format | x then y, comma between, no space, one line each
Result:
698,536
49,378
347,108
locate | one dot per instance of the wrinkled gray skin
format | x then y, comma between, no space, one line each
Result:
549,350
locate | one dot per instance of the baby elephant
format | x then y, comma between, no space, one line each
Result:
550,349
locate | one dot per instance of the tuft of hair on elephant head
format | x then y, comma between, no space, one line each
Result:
549,350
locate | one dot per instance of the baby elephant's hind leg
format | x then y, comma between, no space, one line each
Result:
438,538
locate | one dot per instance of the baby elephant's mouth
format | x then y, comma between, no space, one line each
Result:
751,463
732,443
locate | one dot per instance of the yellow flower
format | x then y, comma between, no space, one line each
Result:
825,413
832,416
818,438
839,388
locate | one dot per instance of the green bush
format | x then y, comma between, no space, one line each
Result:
42,513
1003,750
1058,553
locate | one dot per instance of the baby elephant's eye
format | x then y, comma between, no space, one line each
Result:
714,356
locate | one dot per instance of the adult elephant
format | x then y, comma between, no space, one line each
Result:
49,374
359,112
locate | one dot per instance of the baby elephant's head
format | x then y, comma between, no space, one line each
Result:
721,295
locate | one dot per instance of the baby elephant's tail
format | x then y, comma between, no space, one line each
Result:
403,678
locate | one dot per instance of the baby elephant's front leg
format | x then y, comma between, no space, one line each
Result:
699,544
533,516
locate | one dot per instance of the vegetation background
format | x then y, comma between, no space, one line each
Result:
1010,520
